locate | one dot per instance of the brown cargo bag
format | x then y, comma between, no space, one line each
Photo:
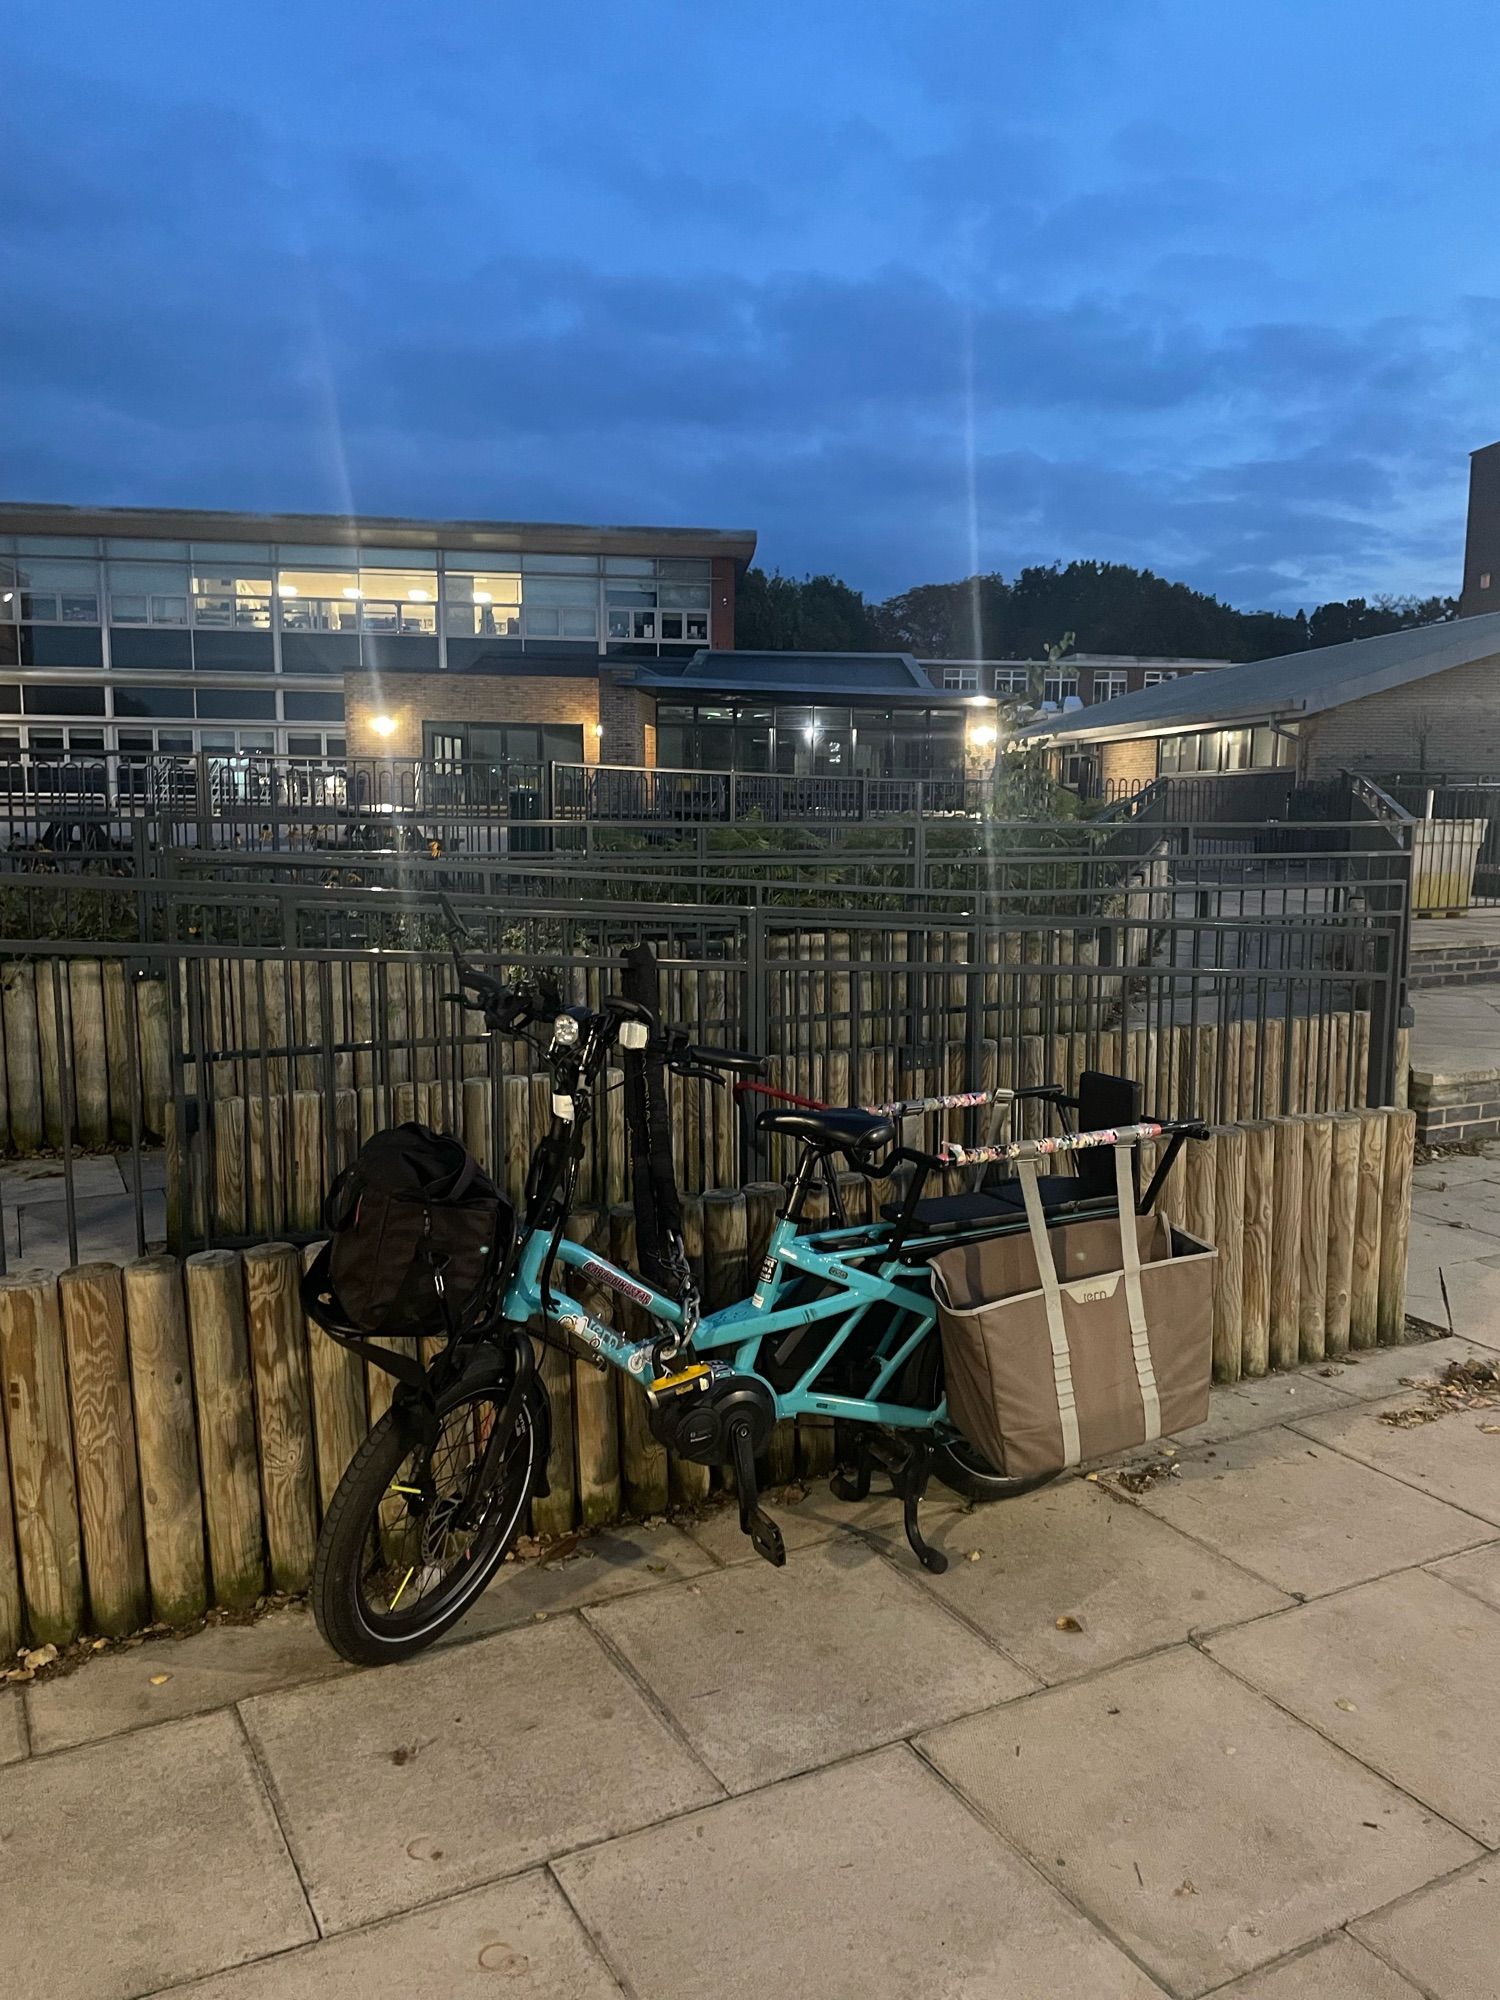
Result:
1050,1362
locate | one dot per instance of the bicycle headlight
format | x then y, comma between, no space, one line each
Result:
564,1031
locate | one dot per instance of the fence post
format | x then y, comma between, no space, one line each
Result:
1343,1202
1364,1289
1395,1223
171,1492
34,1381
1255,1330
10,1574
109,1493
1312,1258
278,1359
1229,1237
226,1424
1286,1240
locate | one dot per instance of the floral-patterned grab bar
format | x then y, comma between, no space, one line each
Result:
964,1100
954,1155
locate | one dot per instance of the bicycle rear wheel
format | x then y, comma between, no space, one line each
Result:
964,1470
409,1542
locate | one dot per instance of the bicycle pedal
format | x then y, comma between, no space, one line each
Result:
766,1539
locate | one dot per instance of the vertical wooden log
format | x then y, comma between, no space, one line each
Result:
336,1379
33,1378
11,1620
1395,1223
278,1358
1255,1325
1312,1258
23,1057
228,1193
477,1124
1205,1098
55,1042
267,1163
85,1005
152,1029
1364,1286
309,1175
1339,1086
1033,1061
226,1424
109,1493
1359,1057
1231,1042
1251,1105
117,1052
1286,1240
1199,1202
1343,1201
595,1418
1299,1090
162,1384
1273,1065
1402,1091
643,1462
1229,1237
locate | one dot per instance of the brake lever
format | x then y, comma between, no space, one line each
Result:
703,1074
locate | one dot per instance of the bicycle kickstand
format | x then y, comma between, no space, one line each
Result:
913,1486
765,1536
851,1450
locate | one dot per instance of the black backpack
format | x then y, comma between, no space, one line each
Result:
419,1234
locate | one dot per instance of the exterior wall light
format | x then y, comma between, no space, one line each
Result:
383,725
350,591
984,737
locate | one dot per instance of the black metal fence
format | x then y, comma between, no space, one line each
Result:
235,1029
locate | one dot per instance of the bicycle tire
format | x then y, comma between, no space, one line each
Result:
964,1470
337,1603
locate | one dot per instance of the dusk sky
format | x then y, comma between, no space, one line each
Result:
912,289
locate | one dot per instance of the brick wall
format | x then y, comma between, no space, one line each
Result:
1448,721
1128,763
628,719
412,699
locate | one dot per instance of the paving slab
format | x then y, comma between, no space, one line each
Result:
204,1670
1380,1371
1472,1282
106,1227
1452,1458
1478,1573
1340,1969
517,1938
1399,1672
866,1880
802,1523
1076,1551
402,1784
1447,1938
1275,1399
142,1862
41,1180
770,1671
1472,1208
12,1727
1207,1830
611,1564
1303,1517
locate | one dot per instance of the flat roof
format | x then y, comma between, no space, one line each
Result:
1280,689
878,677
20,517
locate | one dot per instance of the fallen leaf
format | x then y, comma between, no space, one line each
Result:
1092,1476
39,1656
657,1569
973,1556
1187,1889
1490,1430
160,1680
1068,1623
1348,1707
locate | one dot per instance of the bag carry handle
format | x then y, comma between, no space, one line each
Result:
1130,1252
1057,1332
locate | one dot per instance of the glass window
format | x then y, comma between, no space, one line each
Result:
1262,749
542,624
86,742
298,555
251,703
1154,676
225,598
1110,686
1010,680
563,565
630,593
147,551
58,592
398,600
684,596
684,569
561,590
1168,754
318,600
10,697
298,745
483,604
256,554
630,566
1058,688
1237,750
62,698
57,545
304,706
139,699
961,680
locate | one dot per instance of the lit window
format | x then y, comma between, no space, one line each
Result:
397,600
1484,579
223,600
1154,676
961,680
318,600
1010,680
485,604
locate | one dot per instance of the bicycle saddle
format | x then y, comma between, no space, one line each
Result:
848,1132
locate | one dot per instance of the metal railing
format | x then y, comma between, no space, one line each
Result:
632,792
245,1026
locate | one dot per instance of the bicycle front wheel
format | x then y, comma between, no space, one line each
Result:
410,1541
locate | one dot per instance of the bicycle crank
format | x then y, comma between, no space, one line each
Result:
711,1415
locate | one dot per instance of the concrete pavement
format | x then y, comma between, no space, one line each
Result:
1229,1733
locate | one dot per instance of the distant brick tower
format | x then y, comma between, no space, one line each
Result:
1481,591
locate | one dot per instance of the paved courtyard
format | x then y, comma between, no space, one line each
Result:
1233,1732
